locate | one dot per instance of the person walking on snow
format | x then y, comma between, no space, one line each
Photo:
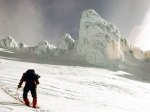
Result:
31,81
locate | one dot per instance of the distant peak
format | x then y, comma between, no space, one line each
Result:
44,42
9,38
67,35
91,15
90,12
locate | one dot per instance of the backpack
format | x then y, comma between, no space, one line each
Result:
30,75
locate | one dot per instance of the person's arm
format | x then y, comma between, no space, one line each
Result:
21,81
36,79
37,82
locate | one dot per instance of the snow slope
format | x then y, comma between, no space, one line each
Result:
74,88
77,89
8,104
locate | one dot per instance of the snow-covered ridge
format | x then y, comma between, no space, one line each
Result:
10,43
100,43
66,43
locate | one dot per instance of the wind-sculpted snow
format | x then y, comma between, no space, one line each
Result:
9,43
77,89
66,43
98,40
44,47
100,44
22,45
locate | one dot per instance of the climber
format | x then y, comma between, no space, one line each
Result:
31,81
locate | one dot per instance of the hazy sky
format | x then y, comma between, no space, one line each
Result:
31,21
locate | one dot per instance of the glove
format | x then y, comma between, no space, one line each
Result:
19,86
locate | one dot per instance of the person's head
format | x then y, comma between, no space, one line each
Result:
30,71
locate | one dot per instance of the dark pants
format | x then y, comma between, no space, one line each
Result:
28,88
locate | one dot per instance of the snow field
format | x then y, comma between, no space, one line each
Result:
79,89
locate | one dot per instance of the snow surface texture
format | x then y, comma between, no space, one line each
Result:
76,89
98,40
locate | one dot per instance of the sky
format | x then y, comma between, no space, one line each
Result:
31,21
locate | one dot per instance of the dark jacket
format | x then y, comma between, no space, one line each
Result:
29,79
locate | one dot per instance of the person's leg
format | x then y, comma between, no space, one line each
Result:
34,96
25,95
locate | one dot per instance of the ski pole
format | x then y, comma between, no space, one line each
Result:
18,96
